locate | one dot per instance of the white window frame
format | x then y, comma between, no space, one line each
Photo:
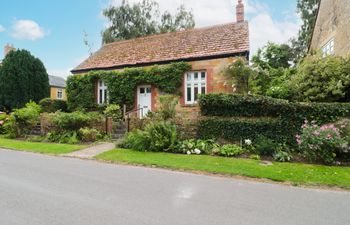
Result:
191,82
59,93
328,48
102,92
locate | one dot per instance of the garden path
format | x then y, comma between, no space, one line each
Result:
89,153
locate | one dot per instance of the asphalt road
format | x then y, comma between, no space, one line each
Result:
43,190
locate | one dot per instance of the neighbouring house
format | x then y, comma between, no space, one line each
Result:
331,32
57,88
208,50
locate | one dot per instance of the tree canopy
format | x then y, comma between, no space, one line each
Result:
307,10
129,21
23,78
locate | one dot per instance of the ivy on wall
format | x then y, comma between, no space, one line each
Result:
122,84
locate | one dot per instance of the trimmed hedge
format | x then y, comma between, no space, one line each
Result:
277,119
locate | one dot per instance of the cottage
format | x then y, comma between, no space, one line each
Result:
57,88
331,33
208,50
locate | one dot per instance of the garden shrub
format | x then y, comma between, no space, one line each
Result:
137,140
282,156
22,121
89,134
321,143
52,105
162,136
265,146
194,146
114,111
66,137
75,120
230,150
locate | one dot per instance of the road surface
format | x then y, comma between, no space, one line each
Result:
44,190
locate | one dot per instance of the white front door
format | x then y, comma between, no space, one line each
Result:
144,100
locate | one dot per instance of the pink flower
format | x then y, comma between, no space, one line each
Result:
2,122
329,136
317,133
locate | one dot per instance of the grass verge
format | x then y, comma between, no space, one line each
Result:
39,147
294,173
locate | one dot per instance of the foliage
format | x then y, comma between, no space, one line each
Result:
137,140
162,136
273,55
282,156
255,157
80,92
237,117
75,120
89,134
322,79
204,146
52,105
230,150
143,18
308,12
273,65
240,72
23,120
157,137
122,84
3,119
23,78
320,143
114,111
167,109
65,137
265,146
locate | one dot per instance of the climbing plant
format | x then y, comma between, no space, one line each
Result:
122,84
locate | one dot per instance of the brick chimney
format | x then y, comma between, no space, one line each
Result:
240,11
8,48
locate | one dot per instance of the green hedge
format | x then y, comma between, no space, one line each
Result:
52,105
223,116
122,84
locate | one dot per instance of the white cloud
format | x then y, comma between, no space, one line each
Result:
263,26
27,30
2,29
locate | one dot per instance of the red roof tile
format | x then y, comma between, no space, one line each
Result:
215,41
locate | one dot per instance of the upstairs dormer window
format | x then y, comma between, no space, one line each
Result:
102,95
328,49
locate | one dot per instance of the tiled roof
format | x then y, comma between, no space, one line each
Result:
57,81
210,42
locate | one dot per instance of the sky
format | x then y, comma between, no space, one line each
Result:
54,30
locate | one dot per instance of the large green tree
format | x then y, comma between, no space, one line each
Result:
23,78
273,65
307,10
129,21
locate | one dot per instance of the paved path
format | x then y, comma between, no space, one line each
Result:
44,190
92,151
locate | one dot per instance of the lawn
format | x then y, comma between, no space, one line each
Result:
47,148
294,173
